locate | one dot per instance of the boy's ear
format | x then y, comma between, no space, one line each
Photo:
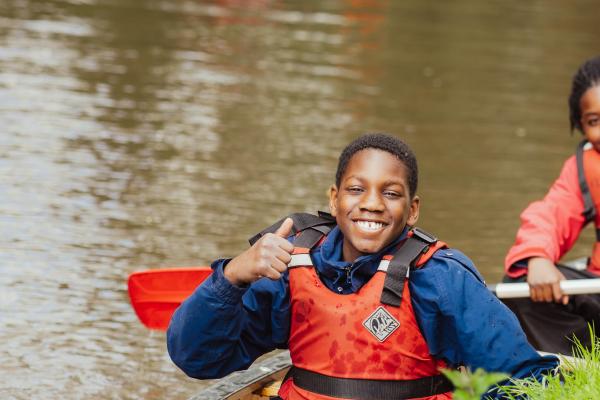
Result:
413,215
333,193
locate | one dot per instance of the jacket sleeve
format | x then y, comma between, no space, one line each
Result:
465,324
549,227
223,328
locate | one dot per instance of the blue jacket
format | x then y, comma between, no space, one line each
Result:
222,328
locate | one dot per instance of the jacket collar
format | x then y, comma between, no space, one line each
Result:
328,261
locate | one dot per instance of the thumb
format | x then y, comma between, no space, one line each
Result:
285,229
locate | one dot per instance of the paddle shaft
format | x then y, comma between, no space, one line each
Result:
569,287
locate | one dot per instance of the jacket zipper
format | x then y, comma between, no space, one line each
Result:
348,269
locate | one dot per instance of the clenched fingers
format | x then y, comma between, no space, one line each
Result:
273,270
558,295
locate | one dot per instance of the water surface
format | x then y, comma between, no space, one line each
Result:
145,134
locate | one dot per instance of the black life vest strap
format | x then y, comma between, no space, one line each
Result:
369,389
320,224
589,210
309,237
400,265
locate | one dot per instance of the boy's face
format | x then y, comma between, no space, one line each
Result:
590,115
373,204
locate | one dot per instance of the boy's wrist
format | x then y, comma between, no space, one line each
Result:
230,274
227,291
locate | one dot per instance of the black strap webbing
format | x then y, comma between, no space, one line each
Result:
369,389
398,270
589,210
308,238
399,267
322,222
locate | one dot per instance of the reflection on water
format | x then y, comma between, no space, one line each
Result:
145,134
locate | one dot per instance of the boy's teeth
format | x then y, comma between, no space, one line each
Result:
369,225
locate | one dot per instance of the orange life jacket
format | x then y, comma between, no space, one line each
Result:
591,169
343,343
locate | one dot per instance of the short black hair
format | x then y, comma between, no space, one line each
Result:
385,142
587,76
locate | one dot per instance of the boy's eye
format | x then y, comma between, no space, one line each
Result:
354,189
391,194
592,121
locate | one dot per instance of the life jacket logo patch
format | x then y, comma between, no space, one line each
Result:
381,323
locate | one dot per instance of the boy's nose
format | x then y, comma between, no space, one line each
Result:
372,201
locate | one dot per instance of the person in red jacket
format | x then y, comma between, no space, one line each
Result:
550,227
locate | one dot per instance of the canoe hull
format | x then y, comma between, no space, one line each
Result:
248,384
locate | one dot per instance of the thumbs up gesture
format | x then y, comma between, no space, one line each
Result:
268,257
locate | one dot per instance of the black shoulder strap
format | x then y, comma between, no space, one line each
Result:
589,210
308,228
399,267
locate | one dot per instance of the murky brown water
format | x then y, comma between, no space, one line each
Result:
142,134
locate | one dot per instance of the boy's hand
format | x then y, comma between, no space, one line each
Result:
268,257
544,281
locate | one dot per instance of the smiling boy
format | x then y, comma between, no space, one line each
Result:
368,305
371,202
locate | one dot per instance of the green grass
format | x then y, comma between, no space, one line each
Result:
579,379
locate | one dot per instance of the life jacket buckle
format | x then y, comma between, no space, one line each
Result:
424,236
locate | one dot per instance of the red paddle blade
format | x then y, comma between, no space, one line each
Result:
155,294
